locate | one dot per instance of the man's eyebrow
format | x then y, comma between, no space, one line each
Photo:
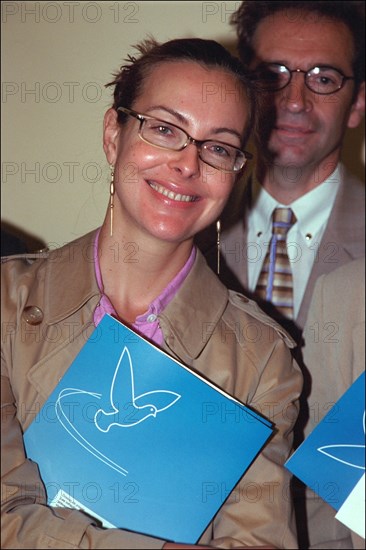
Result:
183,119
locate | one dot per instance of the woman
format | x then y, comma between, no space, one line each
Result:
174,140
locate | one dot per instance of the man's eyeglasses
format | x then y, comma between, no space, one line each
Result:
165,135
322,80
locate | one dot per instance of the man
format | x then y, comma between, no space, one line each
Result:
299,141
307,60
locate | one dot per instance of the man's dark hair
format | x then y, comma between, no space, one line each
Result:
352,13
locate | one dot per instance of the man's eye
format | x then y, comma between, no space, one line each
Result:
326,80
269,77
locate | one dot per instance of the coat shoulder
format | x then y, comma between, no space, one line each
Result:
15,267
250,312
22,275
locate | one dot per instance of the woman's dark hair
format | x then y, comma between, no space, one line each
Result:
129,80
352,13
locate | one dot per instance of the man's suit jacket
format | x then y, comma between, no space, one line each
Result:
343,240
335,357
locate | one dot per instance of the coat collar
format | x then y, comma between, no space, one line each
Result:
194,311
70,279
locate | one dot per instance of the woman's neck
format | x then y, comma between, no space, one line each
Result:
134,273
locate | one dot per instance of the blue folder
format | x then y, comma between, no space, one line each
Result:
140,441
331,460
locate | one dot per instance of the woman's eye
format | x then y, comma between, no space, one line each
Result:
163,130
220,150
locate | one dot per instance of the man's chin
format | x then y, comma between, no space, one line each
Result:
287,157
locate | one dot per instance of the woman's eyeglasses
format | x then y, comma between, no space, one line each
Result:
165,135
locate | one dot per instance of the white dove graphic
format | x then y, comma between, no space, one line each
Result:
127,409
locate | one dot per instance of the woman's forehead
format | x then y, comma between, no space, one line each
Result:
193,81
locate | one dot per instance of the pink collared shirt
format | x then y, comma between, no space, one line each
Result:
146,324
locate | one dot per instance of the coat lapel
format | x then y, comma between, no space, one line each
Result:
194,312
67,294
343,239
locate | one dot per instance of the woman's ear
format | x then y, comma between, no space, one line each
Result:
111,131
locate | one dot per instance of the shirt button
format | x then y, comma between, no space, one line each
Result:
151,318
33,315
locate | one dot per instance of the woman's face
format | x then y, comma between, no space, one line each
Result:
172,195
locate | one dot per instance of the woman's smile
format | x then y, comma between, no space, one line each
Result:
178,197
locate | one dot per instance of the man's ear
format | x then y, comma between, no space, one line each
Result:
111,131
358,108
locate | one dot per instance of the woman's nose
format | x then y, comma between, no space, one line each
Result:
186,161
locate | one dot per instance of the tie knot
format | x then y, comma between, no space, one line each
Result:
283,219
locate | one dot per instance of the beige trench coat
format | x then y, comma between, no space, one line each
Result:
47,315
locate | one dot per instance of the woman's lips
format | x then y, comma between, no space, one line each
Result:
179,197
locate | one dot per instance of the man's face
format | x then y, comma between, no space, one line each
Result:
299,127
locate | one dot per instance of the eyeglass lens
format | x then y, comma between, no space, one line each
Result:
321,80
215,153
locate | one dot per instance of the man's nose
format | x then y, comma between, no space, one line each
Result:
296,97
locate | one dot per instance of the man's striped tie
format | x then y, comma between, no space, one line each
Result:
275,280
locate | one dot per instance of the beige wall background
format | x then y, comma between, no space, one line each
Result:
56,58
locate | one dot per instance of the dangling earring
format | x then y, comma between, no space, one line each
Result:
218,233
111,199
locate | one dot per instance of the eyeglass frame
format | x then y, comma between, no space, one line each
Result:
290,73
141,117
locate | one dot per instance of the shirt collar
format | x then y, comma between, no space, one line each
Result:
263,204
311,210
157,306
